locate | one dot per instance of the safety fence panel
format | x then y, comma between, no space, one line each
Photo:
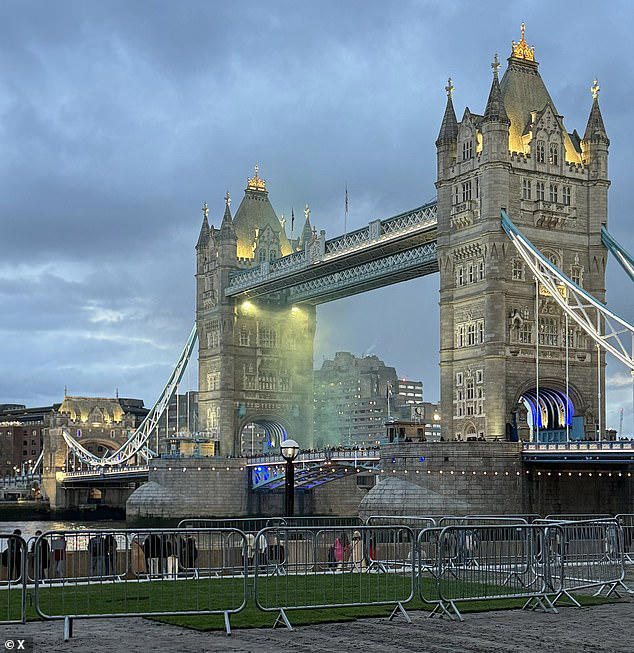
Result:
244,524
334,567
140,572
497,562
482,520
577,517
592,556
626,520
13,574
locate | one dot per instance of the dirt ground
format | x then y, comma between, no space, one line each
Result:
599,628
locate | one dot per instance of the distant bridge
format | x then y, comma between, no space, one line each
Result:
591,452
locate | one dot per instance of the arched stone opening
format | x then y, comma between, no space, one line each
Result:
261,435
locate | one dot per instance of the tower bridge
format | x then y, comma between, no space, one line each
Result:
518,235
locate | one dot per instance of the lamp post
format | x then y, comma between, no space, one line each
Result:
289,449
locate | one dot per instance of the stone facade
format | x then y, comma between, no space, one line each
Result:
255,358
553,184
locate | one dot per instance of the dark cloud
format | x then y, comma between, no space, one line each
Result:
118,119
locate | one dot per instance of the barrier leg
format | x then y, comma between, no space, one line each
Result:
569,596
68,628
400,609
282,616
453,614
227,624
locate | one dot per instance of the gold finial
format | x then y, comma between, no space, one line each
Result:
307,212
255,183
496,64
205,210
227,199
521,50
449,88
594,89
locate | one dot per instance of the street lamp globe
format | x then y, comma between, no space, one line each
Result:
290,449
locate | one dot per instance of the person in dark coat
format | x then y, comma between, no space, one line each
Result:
14,556
110,554
45,555
152,552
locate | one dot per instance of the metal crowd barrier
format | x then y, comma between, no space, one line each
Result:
626,520
12,576
335,567
513,561
244,524
592,556
481,520
154,572
577,517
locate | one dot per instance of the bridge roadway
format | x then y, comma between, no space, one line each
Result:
384,252
318,467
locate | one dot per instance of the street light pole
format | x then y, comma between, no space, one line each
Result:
290,450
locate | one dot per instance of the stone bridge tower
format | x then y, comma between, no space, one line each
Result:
255,360
517,155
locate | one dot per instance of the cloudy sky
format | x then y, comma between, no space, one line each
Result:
118,119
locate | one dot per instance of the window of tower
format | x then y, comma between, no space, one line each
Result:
470,388
566,195
262,256
525,333
460,336
466,191
554,193
540,191
527,187
471,334
518,269
471,272
477,187
455,195
467,149
576,274
541,152
460,276
245,339
549,332
481,270
480,331
553,154
272,255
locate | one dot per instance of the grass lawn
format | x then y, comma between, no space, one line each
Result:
226,593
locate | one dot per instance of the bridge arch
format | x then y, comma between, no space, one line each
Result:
552,409
271,431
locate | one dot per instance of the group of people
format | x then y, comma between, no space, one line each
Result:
355,555
166,553
12,556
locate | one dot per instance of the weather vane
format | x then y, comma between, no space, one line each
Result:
307,212
205,210
449,88
227,198
594,89
495,65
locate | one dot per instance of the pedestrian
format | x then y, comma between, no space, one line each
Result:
357,558
110,554
97,554
14,555
152,552
40,566
171,554
342,551
58,545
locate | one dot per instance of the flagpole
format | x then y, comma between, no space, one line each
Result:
345,215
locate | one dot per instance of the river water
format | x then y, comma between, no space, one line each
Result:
29,527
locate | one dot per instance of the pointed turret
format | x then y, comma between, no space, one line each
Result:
203,237
495,111
306,235
227,230
595,129
449,126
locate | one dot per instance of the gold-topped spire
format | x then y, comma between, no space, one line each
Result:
307,212
520,50
255,183
205,210
227,198
449,88
594,89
